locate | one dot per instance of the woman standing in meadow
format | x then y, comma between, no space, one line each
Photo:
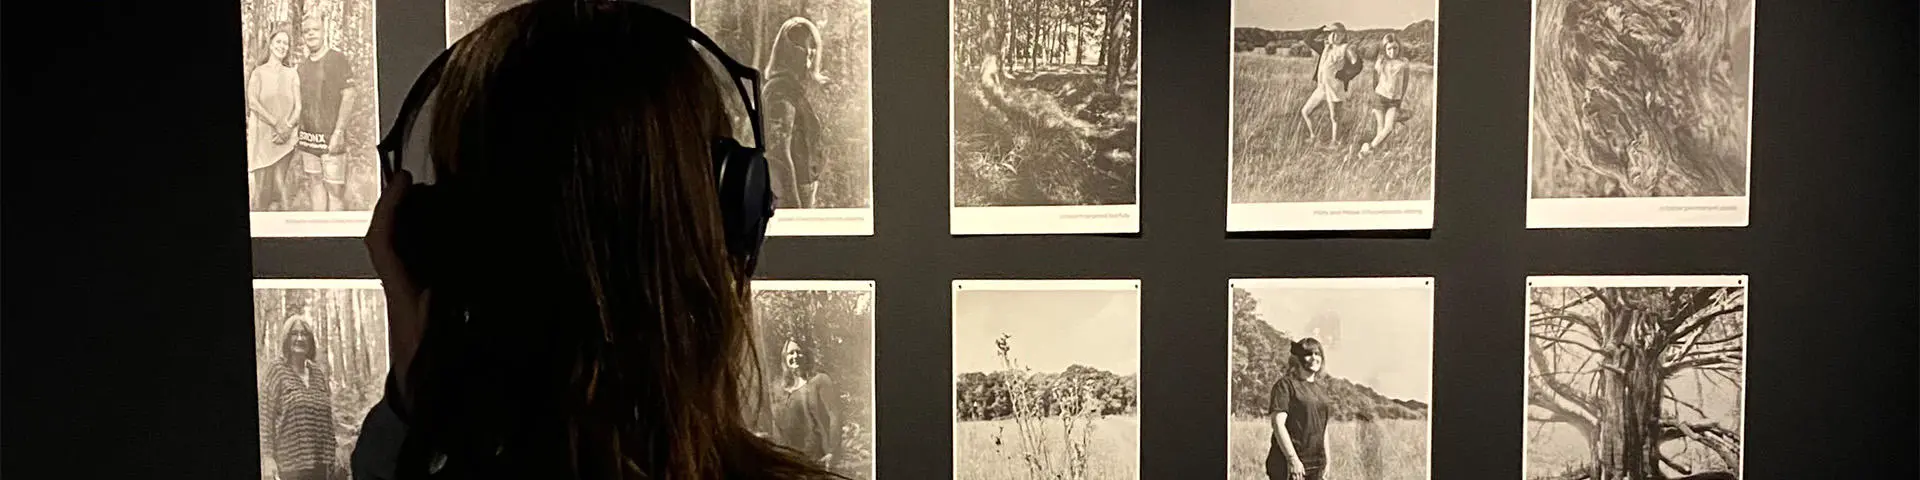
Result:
1390,84
1333,68
1299,412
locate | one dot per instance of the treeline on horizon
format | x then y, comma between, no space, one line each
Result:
1417,40
1261,355
990,396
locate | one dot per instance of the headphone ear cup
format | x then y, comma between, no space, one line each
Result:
746,197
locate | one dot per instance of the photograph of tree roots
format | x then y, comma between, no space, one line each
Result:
1635,383
1641,98
1046,102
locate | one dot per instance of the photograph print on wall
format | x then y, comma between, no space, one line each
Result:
815,340
1332,114
1330,378
1635,377
1046,379
465,15
1641,114
816,59
311,116
320,350
1045,116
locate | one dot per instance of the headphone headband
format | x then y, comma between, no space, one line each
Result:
429,79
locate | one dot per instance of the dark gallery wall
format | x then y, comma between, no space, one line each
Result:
127,344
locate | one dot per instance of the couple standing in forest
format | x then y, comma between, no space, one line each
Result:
1336,64
295,121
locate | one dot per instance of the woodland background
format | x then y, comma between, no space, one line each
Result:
836,328
1046,102
350,330
350,31
745,28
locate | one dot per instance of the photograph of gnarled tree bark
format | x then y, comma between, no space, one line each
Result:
1046,102
1635,382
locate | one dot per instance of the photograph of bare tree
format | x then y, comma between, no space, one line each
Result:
1635,377
321,364
815,340
1332,114
1641,113
1046,380
311,116
816,59
465,15
1045,116
1340,369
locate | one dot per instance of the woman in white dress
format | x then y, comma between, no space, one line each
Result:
273,104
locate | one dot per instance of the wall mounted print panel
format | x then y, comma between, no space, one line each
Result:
1635,377
815,340
1641,114
312,119
320,351
1045,101
1332,113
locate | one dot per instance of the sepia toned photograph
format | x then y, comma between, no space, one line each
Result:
1635,377
1046,379
1045,100
1332,114
1641,113
1330,378
320,350
816,59
815,344
465,15
311,116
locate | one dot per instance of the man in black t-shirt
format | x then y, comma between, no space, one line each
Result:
326,88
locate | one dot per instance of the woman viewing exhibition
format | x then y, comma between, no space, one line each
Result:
568,299
273,105
1299,409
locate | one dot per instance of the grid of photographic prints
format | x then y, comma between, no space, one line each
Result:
1331,126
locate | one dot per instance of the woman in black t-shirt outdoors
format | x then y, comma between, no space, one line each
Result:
1299,409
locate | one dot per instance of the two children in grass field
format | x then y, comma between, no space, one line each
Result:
1335,66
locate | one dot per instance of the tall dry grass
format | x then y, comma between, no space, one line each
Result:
1357,450
1273,160
982,452
1640,98
1047,137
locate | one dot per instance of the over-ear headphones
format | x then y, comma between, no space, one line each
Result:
746,196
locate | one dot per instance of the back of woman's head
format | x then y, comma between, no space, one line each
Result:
587,259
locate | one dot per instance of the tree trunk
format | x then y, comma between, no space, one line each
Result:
1640,416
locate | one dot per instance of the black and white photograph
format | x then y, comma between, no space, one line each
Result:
320,351
1332,115
815,344
311,117
1641,113
465,15
1045,116
1635,377
816,59
1046,379
1330,378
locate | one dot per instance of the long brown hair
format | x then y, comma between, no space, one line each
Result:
592,285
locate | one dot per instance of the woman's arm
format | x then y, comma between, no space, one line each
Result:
254,106
830,410
1285,438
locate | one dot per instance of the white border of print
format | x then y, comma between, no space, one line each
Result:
1617,281
953,407
825,222
334,224
1328,283
1316,216
873,379
1047,219
318,283
1645,212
